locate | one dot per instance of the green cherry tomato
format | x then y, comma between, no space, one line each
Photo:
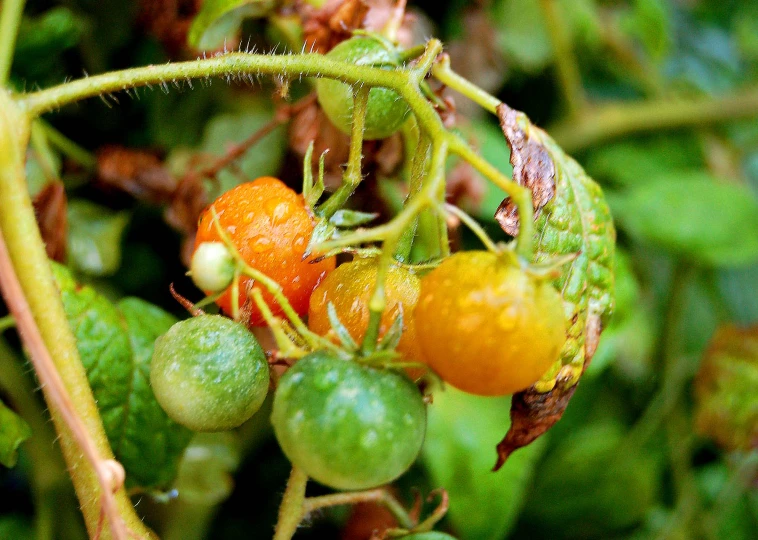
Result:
212,267
346,425
386,110
209,373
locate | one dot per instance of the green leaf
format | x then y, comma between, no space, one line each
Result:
42,40
461,429
94,237
115,345
588,488
226,130
693,216
16,527
351,218
13,431
144,419
522,33
220,19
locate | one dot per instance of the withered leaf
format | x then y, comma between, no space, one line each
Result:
137,172
532,414
726,401
571,218
532,167
50,207
334,22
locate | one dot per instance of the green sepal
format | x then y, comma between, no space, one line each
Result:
351,218
342,333
392,337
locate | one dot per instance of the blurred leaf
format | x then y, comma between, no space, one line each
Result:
94,237
225,130
13,431
461,430
704,58
629,339
641,161
521,33
709,222
351,218
205,470
178,118
16,527
219,20
489,140
736,516
42,39
116,345
732,284
591,486
725,387
649,22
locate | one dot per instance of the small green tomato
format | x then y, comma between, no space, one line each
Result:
386,110
212,267
347,425
209,373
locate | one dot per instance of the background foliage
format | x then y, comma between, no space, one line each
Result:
660,440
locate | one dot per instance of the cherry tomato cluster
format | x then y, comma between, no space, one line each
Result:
478,319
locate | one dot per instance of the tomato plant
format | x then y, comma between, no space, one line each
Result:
209,373
487,326
269,225
347,425
409,157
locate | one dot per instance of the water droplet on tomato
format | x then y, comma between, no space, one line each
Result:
278,211
259,244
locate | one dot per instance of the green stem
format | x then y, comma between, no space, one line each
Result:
7,322
472,224
292,511
608,122
442,72
566,63
416,182
27,253
10,20
380,496
352,176
519,194
66,146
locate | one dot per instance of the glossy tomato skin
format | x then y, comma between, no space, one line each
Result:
486,326
386,110
270,226
209,373
350,287
346,425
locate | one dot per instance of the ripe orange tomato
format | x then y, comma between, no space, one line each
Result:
349,289
270,226
486,326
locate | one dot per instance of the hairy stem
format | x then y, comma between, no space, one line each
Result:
442,72
35,303
10,19
380,495
292,510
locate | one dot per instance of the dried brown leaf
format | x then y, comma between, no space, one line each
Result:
532,168
532,414
50,207
168,21
137,172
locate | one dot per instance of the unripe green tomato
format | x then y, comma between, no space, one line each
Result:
386,110
212,267
346,425
209,373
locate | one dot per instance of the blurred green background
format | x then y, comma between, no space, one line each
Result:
657,99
